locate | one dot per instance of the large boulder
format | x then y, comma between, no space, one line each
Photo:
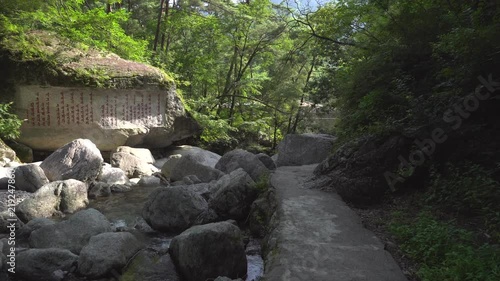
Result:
203,189
53,198
356,171
6,173
30,177
305,149
261,212
9,220
202,156
149,181
142,153
72,234
169,164
248,161
267,161
208,251
119,247
43,264
112,175
234,195
72,91
99,189
7,152
23,152
174,209
32,225
132,165
189,165
20,197
79,160
149,265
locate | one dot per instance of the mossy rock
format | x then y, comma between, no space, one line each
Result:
42,57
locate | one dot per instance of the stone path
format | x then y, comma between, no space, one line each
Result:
319,238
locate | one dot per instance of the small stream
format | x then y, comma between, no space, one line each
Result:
123,210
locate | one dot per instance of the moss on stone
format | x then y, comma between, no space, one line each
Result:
41,57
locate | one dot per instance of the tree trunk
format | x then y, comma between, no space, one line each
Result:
289,126
231,108
297,116
162,41
158,25
275,137
167,14
235,90
227,84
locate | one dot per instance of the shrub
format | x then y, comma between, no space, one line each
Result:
466,189
444,251
9,122
262,184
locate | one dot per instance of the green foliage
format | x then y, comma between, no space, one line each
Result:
6,26
444,251
28,49
214,130
401,64
263,183
241,67
9,122
228,59
467,189
93,27
383,65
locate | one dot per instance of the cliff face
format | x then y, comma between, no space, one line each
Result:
64,92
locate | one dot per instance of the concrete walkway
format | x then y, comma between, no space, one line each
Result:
319,238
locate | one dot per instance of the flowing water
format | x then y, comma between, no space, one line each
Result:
123,210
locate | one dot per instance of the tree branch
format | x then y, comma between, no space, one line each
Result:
254,99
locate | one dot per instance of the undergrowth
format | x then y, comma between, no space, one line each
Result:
433,232
469,190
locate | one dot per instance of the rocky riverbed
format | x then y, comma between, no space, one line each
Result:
193,215
73,205
124,212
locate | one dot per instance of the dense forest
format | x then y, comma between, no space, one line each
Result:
257,67
253,71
